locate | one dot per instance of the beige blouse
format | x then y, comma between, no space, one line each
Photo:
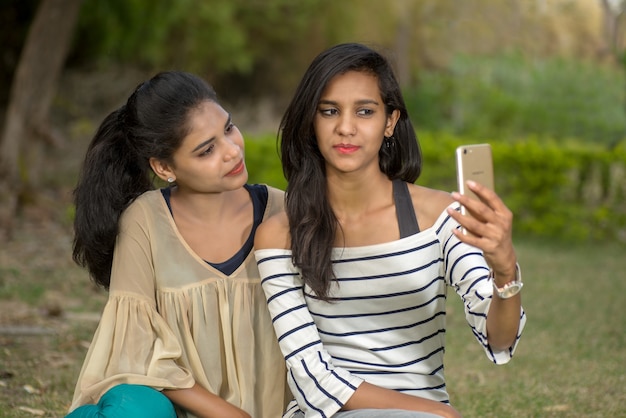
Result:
171,319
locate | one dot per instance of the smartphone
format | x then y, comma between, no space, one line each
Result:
474,162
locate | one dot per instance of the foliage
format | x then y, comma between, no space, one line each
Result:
561,189
233,42
509,96
263,162
566,190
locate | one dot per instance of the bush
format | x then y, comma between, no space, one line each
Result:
263,162
511,96
567,190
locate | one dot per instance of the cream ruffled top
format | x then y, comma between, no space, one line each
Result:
171,319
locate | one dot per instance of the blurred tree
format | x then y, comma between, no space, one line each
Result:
26,129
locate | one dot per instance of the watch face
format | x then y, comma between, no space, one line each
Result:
510,290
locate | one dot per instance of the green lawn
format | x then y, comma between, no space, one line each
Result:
571,361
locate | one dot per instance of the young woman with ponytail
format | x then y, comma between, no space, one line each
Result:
185,331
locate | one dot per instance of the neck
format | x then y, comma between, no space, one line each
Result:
354,195
207,207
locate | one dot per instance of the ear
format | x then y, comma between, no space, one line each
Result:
162,169
392,119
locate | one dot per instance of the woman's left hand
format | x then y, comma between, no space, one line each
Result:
489,227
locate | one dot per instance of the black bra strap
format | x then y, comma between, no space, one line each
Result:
407,221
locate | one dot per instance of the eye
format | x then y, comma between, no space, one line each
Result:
328,112
229,128
207,151
365,112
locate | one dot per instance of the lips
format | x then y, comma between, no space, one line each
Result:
237,170
346,148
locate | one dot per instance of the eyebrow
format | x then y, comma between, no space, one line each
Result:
358,102
229,120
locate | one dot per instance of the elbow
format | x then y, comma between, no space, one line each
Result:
502,343
500,347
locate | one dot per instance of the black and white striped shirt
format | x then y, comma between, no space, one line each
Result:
387,323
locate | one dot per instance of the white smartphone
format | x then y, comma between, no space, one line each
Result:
474,162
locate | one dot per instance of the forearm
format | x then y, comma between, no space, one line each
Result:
203,403
503,319
374,397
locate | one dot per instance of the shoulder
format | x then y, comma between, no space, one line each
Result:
273,232
143,210
429,204
275,200
273,191
146,201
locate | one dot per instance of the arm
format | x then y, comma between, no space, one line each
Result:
503,320
130,320
491,227
319,387
375,397
203,403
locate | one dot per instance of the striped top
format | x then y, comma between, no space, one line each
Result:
387,325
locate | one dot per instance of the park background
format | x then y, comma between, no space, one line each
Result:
543,81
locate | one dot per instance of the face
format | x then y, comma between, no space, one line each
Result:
351,122
211,157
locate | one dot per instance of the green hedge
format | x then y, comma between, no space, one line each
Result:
568,190
511,96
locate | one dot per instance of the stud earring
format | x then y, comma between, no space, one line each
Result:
170,180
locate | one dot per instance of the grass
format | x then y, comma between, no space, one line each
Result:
571,361
48,312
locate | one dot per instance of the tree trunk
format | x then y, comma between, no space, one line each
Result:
402,42
26,128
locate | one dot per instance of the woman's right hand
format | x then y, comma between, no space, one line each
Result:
368,396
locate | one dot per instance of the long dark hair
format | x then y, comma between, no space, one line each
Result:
116,170
312,223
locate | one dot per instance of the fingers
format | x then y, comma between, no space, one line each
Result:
489,209
489,224
486,195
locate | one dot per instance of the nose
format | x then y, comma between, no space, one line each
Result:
346,124
232,149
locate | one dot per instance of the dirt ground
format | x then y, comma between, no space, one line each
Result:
48,311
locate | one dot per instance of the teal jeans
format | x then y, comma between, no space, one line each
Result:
126,401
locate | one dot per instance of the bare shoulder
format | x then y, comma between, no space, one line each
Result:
429,204
273,232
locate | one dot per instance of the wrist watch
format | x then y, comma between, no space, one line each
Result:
510,289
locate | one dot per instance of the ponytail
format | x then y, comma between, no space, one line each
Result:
152,124
112,177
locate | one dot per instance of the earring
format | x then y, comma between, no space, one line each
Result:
389,141
170,180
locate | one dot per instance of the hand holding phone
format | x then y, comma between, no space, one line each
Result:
474,162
